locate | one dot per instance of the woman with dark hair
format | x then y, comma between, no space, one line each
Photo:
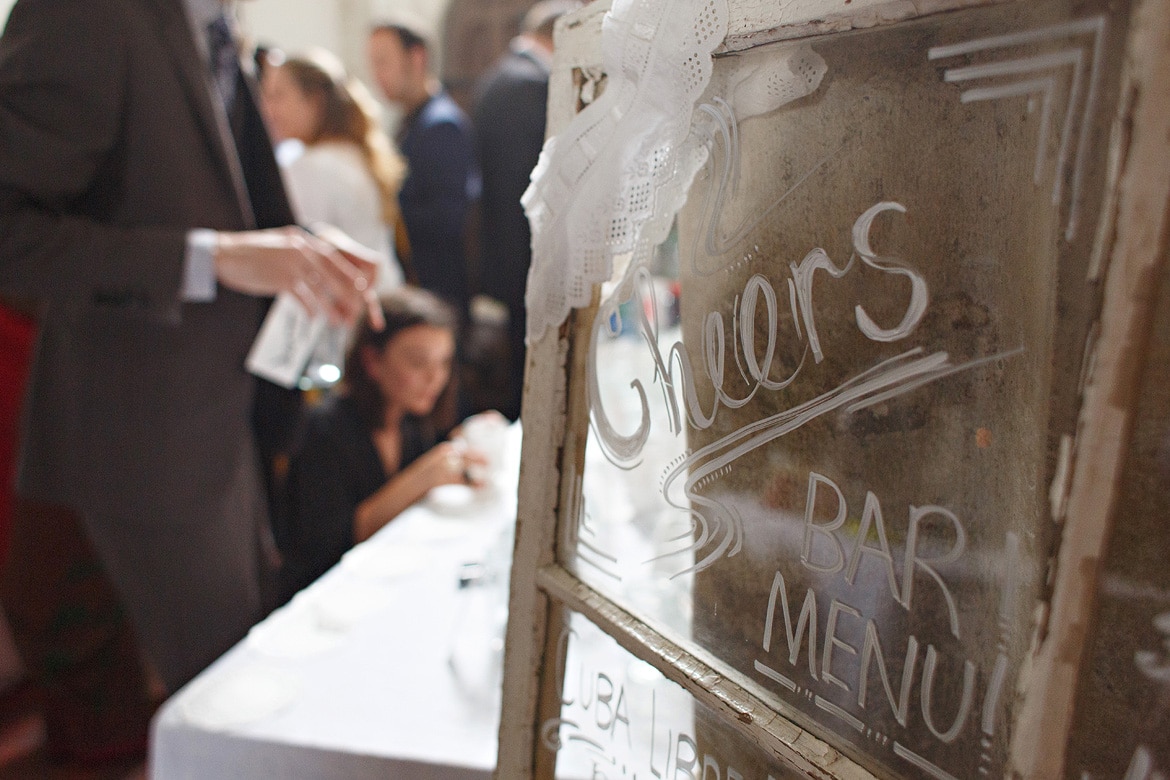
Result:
377,445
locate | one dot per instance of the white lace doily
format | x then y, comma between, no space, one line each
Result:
607,188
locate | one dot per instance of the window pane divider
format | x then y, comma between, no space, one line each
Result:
757,720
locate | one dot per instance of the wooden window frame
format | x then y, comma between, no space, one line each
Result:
1135,233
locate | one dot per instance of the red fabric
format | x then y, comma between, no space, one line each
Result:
17,338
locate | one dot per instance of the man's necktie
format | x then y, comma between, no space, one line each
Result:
224,59
260,189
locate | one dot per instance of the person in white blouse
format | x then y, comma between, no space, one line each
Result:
338,165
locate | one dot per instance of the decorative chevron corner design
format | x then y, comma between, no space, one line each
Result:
1071,66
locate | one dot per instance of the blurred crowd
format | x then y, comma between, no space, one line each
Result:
159,187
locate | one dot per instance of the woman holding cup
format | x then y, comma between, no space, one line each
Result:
379,444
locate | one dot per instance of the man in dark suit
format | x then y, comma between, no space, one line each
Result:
140,200
509,120
442,181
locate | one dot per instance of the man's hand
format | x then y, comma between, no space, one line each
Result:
360,256
337,282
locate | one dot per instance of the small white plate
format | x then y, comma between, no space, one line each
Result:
436,530
385,561
244,696
339,605
456,500
293,631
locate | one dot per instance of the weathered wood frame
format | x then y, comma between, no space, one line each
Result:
1133,237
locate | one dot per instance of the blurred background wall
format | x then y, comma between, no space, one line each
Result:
470,33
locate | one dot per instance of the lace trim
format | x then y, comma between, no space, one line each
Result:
605,191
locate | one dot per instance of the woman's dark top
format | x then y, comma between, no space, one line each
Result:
334,467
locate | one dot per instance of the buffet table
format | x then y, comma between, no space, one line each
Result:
389,666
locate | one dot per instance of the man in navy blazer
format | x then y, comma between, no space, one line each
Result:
442,180
140,201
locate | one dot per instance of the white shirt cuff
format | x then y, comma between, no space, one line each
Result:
199,266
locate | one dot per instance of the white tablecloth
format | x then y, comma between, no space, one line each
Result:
385,667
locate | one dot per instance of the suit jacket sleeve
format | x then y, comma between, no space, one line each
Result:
63,71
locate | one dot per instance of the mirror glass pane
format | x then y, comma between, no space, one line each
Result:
620,719
830,419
